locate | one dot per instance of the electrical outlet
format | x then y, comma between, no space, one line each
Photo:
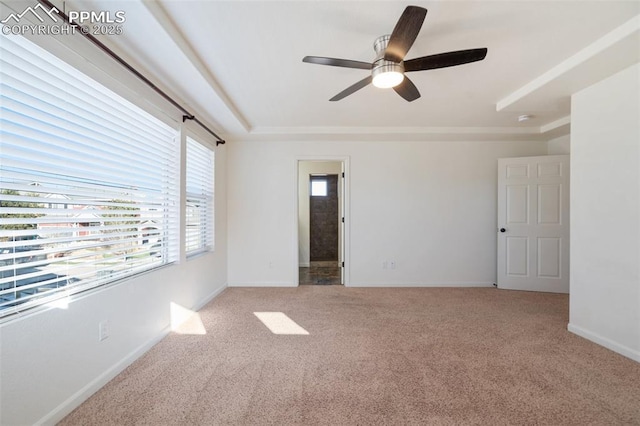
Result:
103,330
392,264
384,265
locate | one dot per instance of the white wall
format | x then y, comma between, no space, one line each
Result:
559,146
305,169
50,361
428,206
605,213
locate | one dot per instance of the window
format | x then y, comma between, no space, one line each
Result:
318,187
88,182
199,207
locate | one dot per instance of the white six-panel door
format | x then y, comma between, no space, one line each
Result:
533,223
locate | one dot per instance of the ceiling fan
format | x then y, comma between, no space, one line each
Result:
389,67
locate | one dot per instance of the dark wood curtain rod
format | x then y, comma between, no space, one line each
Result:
187,115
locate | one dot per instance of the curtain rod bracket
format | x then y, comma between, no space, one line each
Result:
220,142
187,117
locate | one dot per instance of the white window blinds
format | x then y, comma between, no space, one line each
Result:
88,182
199,206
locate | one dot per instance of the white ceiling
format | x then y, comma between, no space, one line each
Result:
238,64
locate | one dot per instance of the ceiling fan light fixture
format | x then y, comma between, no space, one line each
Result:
387,74
388,79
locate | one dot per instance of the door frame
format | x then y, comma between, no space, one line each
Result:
531,228
345,208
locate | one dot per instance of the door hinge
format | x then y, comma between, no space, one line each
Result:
342,220
343,264
342,174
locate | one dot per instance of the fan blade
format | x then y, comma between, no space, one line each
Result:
352,89
320,60
405,33
407,90
443,60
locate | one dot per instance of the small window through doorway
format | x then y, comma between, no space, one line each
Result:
318,186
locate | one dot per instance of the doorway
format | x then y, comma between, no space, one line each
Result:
533,223
320,222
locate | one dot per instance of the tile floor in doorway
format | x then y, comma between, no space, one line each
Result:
320,273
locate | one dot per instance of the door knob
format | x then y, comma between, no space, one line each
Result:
503,230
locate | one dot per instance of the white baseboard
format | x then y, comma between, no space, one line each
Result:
209,298
92,387
420,284
262,284
74,401
369,284
603,341
304,265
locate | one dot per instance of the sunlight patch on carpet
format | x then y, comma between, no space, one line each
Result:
279,323
185,321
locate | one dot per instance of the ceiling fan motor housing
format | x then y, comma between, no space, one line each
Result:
380,45
382,66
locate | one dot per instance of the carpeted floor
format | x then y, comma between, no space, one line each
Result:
373,356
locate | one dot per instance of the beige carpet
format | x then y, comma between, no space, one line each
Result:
374,356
